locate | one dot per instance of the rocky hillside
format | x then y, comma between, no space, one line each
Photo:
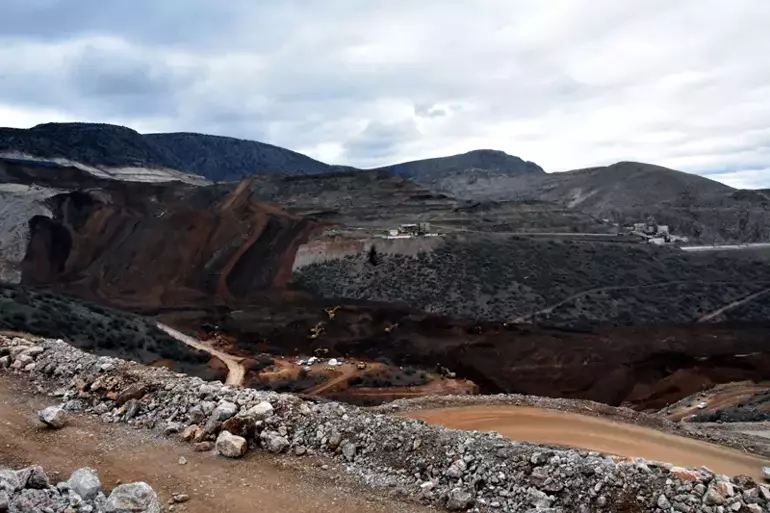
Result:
629,192
98,329
565,283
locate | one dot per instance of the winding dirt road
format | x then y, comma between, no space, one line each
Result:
731,306
574,430
235,371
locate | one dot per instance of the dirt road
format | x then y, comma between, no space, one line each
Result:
256,484
235,371
574,430
731,306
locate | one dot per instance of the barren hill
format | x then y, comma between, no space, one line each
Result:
445,173
629,192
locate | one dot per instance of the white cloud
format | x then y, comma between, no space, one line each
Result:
564,83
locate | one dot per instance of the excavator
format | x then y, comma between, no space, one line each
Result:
332,311
391,328
317,330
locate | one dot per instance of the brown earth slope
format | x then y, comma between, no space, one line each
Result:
152,245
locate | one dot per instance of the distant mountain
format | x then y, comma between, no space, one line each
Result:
227,158
624,185
92,144
458,173
629,192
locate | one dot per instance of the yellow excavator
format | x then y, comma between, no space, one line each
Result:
332,311
317,330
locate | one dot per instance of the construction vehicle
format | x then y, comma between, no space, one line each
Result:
361,366
317,330
391,328
332,311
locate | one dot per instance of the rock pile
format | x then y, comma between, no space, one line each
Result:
454,469
29,491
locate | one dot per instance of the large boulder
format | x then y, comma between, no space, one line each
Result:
231,446
133,498
53,416
85,483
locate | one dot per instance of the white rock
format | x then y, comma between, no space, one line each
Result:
259,411
231,446
85,483
53,416
133,498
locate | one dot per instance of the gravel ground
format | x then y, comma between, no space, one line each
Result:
456,470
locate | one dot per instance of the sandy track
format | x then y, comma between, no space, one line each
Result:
235,371
574,430
256,484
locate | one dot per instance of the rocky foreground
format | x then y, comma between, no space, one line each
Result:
453,469
29,491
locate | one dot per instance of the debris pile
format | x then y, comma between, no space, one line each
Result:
454,469
29,491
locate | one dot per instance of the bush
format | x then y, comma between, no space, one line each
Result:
93,328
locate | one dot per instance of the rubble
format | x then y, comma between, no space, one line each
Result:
458,470
29,491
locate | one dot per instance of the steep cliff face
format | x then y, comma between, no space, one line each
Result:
151,246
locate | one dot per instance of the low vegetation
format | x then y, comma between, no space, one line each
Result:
391,377
503,278
96,329
647,304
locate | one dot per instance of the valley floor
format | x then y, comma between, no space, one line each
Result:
257,483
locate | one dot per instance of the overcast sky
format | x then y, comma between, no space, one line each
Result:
563,83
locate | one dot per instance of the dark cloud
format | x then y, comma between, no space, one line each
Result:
368,83
380,140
